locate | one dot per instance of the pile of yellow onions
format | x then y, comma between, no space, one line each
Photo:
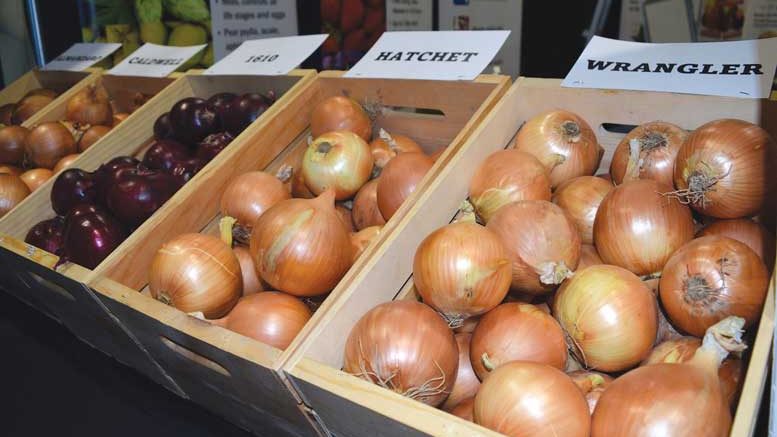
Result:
610,290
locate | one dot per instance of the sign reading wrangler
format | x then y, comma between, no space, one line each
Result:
734,69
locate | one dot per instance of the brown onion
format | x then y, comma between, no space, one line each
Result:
6,111
48,143
65,162
464,409
725,169
300,246
249,195
10,169
516,332
360,240
365,210
588,257
91,136
563,142
437,154
251,282
340,113
712,278
522,398
466,383
339,160
461,270
406,347
399,179
753,234
672,399
591,384
41,92
609,317
507,176
196,273
36,177
580,199
468,325
270,317
29,106
118,117
12,145
91,105
386,146
345,216
541,241
648,152
12,191
639,229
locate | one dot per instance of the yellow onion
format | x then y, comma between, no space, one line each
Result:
251,282
301,247
580,199
65,162
12,144
339,160
466,383
36,177
345,216
406,347
360,240
249,195
29,106
91,105
12,191
340,113
648,152
91,136
399,179
461,270
747,231
563,142
507,176
464,409
49,142
591,384
541,241
639,229
588,257
365,210
609,317
386,146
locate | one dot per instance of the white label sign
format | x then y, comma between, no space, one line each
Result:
272,56
152,60
81,56
734,69
235,21
453,55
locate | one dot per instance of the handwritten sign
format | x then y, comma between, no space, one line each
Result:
734,69
452,55
271,56
81,56
152,60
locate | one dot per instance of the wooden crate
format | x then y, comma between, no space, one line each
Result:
62,293
349,406
232,375
63,82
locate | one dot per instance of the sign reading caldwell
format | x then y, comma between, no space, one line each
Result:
735,69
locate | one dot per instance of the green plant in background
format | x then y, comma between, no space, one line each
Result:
152,29
188,10
188,34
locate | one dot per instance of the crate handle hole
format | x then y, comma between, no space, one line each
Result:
56,288
617,128
194,357
429,113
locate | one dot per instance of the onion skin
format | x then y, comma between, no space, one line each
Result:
36,177
270,317
591,384
658,144
196,272
729,165
461,270
495,340
639,229
467,383
12,191
91,136
563,142
405,347
340,113
360,240
249,195
468,325
91,106
340,160
712,278
753,234
251,282
65,162
29,106
365,210
388,146
10,169
301,247
399,179
588,257
541,241
507,176
118,118
609,316
345,217
12,145
464,409
524,399
580,199
48,143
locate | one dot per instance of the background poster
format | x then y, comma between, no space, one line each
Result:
353,27
409,15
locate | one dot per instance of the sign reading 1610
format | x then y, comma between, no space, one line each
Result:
267,56
262,58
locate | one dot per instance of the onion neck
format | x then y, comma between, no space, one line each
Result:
719,341
552,273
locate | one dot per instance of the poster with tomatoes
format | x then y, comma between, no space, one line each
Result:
722,19
353,27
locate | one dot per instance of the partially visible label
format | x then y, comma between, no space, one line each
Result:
235,21
272,56
81,56
409,15
152,60
734,69
760,19
452,55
